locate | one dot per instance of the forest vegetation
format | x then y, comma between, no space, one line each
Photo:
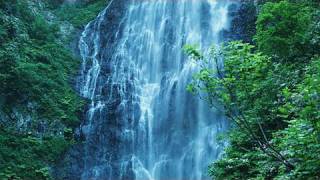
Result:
269,89
36,75
266,81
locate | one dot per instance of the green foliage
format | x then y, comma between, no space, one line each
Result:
280,98
270,93
35,76
36,68
281,30
81,14
193,52
245,83
53,4
274,88
25,157
40,30
301,139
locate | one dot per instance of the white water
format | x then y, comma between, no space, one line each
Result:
141,122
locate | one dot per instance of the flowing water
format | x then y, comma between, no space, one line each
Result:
141,122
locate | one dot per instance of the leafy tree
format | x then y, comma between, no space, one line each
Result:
282,29
270,93
276,132
243,90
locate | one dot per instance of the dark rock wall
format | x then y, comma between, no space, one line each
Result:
73,163
243,17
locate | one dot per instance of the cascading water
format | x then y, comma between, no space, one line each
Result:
141,122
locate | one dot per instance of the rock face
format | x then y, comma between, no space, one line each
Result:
99,141
243,17
141,123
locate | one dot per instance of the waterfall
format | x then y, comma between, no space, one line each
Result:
141,123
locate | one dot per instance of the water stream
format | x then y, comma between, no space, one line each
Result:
141,122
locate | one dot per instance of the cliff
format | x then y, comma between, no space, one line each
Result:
39,107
